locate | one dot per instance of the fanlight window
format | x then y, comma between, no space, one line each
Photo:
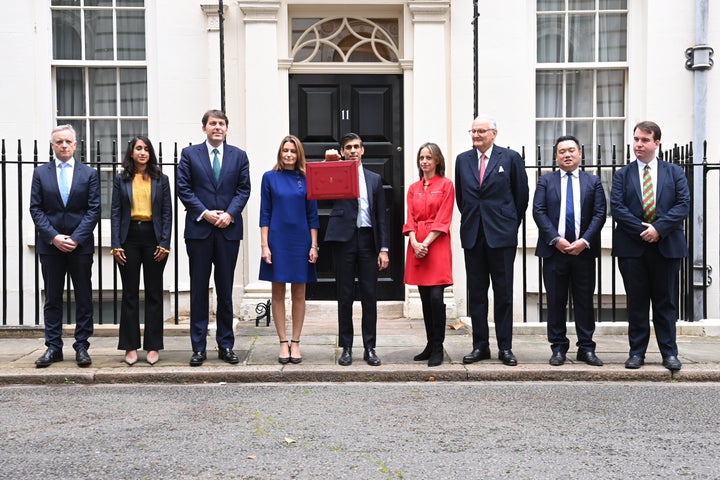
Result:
345,40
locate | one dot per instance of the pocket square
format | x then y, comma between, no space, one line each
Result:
501,170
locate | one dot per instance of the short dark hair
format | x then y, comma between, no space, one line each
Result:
348,137
217,114
649,127
565,138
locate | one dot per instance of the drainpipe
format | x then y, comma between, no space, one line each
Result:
221,15
699,61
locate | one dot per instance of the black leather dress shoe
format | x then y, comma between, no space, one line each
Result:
634,362
371,358
227,355
82,357
589,357
507,357
476,355
672,363
345,357
197,359
50,356
557,359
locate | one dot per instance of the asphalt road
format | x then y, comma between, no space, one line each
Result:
362,431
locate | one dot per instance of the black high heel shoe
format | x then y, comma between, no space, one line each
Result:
294,360
284,360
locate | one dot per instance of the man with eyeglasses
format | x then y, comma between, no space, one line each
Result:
358,231
491,190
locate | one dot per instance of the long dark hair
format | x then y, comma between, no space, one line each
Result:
300,163
128,164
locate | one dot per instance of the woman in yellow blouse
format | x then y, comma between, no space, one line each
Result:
141,225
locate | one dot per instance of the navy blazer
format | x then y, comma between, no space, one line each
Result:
77,219
198,190
122,196
499,205
546,211
343,217
672,206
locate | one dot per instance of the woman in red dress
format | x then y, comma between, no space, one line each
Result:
430,203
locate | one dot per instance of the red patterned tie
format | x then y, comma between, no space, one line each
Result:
483,161
648,196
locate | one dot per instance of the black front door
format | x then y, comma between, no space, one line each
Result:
325,107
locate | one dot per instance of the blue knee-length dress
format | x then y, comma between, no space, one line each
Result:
289,216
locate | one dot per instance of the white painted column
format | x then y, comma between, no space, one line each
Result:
213,52
430,105
264,126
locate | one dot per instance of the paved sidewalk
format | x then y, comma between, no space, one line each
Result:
398,341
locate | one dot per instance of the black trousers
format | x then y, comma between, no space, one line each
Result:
357,257
434,315
651,278
563,273
139,250
54,270
482,264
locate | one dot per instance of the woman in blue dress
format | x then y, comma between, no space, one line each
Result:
288,235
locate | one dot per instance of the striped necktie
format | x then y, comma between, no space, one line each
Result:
648,196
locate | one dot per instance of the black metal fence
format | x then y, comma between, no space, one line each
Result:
609,305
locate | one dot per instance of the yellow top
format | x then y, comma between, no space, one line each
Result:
141,210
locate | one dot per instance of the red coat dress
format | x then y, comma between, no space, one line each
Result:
427,210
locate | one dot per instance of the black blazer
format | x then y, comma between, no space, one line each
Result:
343,217
499,205
77,219
546,211
198,190
672,205
122,205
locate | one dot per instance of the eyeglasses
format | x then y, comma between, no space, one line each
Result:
480,131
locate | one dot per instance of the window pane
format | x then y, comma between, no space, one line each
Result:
550,5
613,37
545,134
98,3
548,94
551,38
583,131
581,44
98,35
613,4
103,91
132,128
106,186
581,5
65,3
579,93
66,35
105,132
133,92
131,35
130,3
609,133
70,92
611,93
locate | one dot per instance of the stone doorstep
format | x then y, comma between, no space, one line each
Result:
706,327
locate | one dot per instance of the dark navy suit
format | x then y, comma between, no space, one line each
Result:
355,252
563,271
490,217
650,270
77,219
208,245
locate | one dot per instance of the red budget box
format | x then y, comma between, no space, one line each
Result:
332,180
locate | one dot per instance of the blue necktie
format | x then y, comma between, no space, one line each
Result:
64,182
569,211
216,164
